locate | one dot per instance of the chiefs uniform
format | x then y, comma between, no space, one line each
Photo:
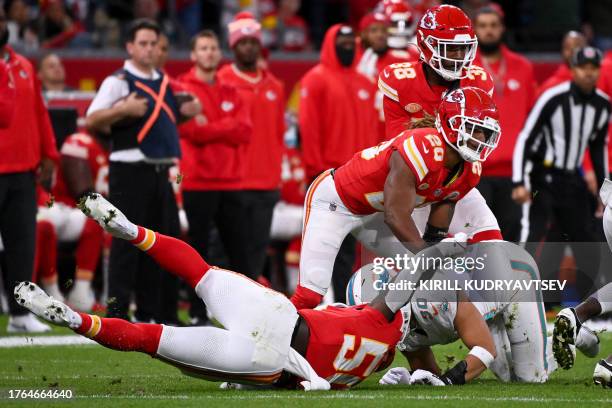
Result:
360,182
347,344
408,96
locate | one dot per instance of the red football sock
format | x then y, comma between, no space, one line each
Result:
45,261
172,254
119,334
88,250
304,298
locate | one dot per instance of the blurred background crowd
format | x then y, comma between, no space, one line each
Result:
260,104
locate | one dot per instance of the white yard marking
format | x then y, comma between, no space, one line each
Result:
28,341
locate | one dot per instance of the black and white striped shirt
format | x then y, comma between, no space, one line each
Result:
561,125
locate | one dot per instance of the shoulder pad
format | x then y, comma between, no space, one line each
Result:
422,151
396,76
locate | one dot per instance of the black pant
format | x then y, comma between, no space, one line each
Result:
259,208
497,191
18,230
343,267
144,194
561,199
227,210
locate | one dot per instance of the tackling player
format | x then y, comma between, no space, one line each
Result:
263,333
419,167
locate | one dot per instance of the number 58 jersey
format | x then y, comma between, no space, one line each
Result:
347,344
360,182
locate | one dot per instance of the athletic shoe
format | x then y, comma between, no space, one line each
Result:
108,216
32,297
26,324
82,297
564,338
603,374
587,342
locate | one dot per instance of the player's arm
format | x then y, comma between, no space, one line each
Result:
77,174
475,334
399,199
439,221
422,359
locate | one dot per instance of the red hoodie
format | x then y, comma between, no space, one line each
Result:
337,115
264,98
214,143
29,136
562,74
514,95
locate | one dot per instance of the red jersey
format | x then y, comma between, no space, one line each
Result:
408,95
83,146
347,344
361,181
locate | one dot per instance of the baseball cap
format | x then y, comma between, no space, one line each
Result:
586,55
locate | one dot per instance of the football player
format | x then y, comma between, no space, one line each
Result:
263,332
569,321
516,319
420,167
84,168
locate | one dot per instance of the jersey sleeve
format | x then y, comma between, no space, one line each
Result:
480,78
420,154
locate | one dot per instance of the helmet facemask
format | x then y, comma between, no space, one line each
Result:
467,145
458,68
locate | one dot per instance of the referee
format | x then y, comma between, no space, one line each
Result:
566,120
137,107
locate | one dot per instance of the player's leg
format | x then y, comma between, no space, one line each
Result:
87,255
501,365
206,352
46,258
326,224
569,333
474,217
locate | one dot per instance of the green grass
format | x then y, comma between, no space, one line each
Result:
99,377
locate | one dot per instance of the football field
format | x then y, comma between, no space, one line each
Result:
99,377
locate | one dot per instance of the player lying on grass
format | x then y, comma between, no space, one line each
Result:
568,324
263,334
419,167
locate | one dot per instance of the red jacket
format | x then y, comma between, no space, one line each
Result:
7,96
337,114
265,100
562,74
29,137
214,143
514,95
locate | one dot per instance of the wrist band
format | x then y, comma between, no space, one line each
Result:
482,354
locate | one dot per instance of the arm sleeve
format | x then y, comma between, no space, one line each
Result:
47,137
309,122
7,96
233,129
598,147
530,134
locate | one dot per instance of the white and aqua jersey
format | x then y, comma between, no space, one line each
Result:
434,314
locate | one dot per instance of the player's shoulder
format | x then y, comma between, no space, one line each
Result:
398,77
479,77
423,150
474,172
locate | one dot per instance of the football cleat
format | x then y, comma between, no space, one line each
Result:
108,216
26,324
564,338
587,342
32,297
603,374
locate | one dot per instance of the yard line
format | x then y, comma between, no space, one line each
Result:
29,341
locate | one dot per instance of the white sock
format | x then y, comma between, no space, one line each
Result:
604,296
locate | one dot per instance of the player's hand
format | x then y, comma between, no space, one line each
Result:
191,108
134,105
396,376
425,377
521,195
317,384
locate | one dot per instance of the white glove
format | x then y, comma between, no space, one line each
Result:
318,384
427,378
395,376
454,245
